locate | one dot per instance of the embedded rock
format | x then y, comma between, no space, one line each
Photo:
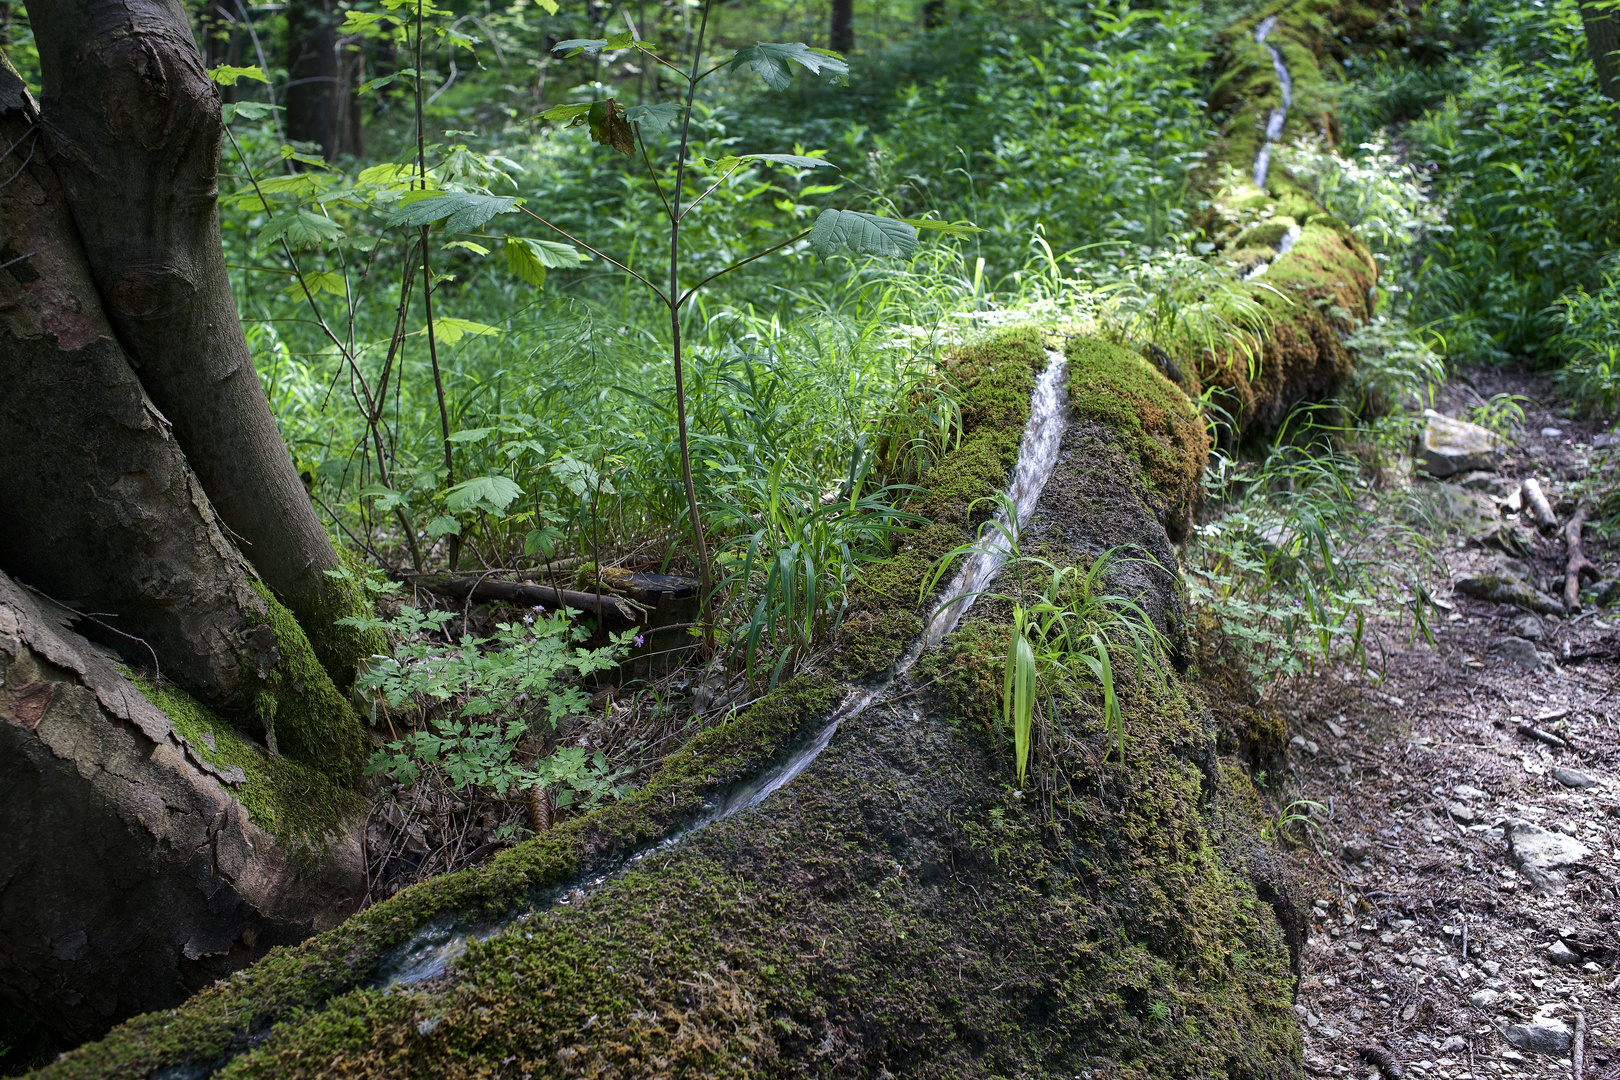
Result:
1573,778
1543,1035
1508,589
1541,855
132,873
1522,652
1448,446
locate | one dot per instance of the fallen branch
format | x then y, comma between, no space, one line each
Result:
1540,508
1542,735
485,590
1579,568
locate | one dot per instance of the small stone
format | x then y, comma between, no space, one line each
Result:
1356,850
1573,778
1455,1044
1488,482
1540,854
1338,732
1528,627
1462,812
1452,446
1562,955
1468,791
1543,1035
1517,650
1606,593
1483,999
1493,968
1552,433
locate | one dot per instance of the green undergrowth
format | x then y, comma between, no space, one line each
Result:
287,798
293,981
996,376
341,646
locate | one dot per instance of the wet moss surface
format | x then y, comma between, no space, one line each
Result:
996,377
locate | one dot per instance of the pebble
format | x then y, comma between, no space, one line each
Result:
1462,812
1456,1044
1484,999
1356,850
1521,652
1552,433
1528,627
1467,791
1573,778
1559,953
1543,1035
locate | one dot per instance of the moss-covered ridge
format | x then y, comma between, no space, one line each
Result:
1304,300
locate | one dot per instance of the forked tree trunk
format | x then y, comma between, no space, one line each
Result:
102,512
131,126
1603,40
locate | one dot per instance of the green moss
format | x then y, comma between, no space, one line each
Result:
1160,427
311,721
293,983
997,377
341,648
282,796
1267,233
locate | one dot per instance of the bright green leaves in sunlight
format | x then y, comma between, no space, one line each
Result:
460,211
592,46
530,259
770,62
451,331
226,75
852,232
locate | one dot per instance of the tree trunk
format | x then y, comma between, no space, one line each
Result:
841,38
313,84
103,512
135,874
351,73
1603,39
933,14
132,128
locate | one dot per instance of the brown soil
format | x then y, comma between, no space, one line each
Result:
1419,771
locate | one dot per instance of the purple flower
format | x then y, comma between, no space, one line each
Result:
528,620
539,608
638,641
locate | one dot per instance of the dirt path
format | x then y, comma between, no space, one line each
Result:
1431,939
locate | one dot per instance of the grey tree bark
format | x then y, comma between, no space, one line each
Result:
1603,40
104,513
131,127
841,32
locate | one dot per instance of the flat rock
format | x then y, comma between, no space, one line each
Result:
1462,812
1521,652
1543,1035
1484,999
1573,778
1507,589
1467,791
1540,854
1449,447
1528,627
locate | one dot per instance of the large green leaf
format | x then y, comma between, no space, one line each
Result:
460,211
854,232
950,228
530,259
490,493
451,331
653,117
797,161
770,62
301,229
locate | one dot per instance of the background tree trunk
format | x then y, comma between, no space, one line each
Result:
1603,39
132,127
103,513
351,73
313,84
841,36
933,14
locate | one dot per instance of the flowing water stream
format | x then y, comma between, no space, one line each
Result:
431,952
1274,123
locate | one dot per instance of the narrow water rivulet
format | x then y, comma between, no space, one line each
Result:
435,948
1279,116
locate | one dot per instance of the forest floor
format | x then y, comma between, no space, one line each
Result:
1444,942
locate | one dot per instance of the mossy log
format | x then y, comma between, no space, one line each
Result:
147,853
898,907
